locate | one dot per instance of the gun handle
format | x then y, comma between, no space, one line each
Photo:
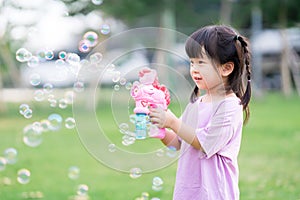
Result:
156,132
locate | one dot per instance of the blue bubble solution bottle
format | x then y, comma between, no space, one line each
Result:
141,126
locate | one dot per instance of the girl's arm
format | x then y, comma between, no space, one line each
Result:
166,119
171,139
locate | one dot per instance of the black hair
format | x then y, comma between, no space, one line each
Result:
223,44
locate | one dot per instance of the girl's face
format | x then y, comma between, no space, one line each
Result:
205,75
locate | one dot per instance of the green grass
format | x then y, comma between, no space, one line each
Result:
269,159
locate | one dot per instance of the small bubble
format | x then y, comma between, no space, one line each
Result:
10,155
105,29
39,95
116,76
82,190
32,136
22,108
27,113
23,55
123,81
60,63
145,196
73,58
91,37
128,86
33,62
160,152
96,57
135,173
63,103
112,147
128,140
55,121
78,86
62,55
45,124
124,128
171,151
23,176
157,184
47,88
70,123
35,79
73,172
116,87
49,55
83,46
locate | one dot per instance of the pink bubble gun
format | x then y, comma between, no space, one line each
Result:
148,92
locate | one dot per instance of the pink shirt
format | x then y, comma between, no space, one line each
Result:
212,175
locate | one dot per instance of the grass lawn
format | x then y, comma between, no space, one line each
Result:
269,159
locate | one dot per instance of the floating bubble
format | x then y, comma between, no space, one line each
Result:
23,107
96,57
123,81
55,121
91,37
45,124
2,163
157,184
33,62
97,2
111,68
37,126
70,123
60,63
82,190
49,55
78,86
83,46
135,172
171,151
27,113
73,172
73,58
128,86
39,95
116,87
10,154
63,103
35,79
53,102
32,136
124,128
23,55
105,29
23,176
145,196
116,76
41,54
47,88
112,147
128,140
62,55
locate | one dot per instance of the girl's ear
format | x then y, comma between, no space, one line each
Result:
227,68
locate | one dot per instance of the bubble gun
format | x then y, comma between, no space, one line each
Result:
147,92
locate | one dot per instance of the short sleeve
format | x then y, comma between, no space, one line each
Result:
220,129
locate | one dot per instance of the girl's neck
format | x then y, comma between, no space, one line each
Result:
216,96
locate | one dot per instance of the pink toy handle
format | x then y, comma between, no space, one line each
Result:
155,132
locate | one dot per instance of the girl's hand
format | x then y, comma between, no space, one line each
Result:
162,118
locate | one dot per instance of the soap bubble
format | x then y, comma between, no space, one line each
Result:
135,172
55,121
160,152
49,55
10,154
128,140
35,79
171,151
157,184
60,63
123,81
39,95
23,107
91,37
27,113
116,87
73,58
96,57
105,29
2,163
73,172
145,196
33,62
128,86
23,176
124,128
62,55
47,88
78,86
45,124
82,190
23,55
83,46
112,147
63,103
116,76
32,136
70,123
97,2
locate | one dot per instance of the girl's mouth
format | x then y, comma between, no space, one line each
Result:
197,78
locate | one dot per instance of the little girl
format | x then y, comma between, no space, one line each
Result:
209,131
